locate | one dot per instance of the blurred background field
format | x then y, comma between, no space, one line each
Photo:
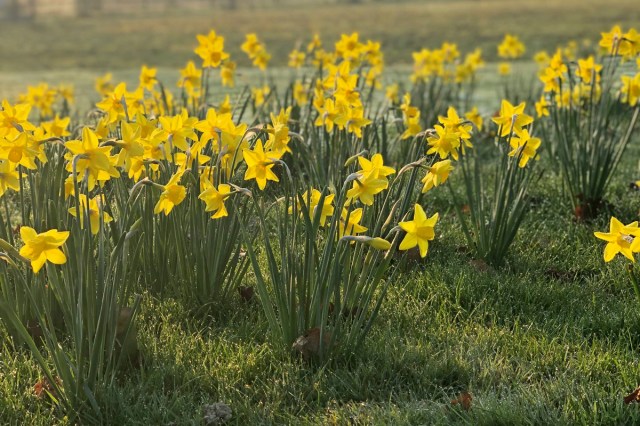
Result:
74,41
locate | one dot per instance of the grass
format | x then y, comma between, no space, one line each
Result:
550,339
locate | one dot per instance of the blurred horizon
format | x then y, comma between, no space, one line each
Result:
121,39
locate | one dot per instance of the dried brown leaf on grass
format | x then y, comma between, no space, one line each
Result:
464,400
246,293
633,396
44,387
309,343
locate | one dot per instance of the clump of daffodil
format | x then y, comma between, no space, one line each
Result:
93,208
43,247
467,70
443,64
227,138
453,134
338,101
511,47
620,239
300,93
256,51
227,73
615,42
419,231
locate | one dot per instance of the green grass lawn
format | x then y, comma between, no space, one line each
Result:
550,339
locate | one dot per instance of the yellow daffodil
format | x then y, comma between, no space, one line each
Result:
148,77
93,209
9,177
475,117
419,231
114,103
227,72
542,107
300,94
313,202
620,239
179,128
19,150
103,84
630,89
296,58
173,193
365,187
444,143
190,77
57,127
375,167
512,119
588,70
511,47
211,49
437,175
259,165
350,222
40,248
94,160
214,198
504,68
14,119
525,146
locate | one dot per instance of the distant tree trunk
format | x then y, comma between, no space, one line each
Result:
232,4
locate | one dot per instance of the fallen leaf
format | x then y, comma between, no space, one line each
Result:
633,396
480,265
464,400
44,387
309,343
246,293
